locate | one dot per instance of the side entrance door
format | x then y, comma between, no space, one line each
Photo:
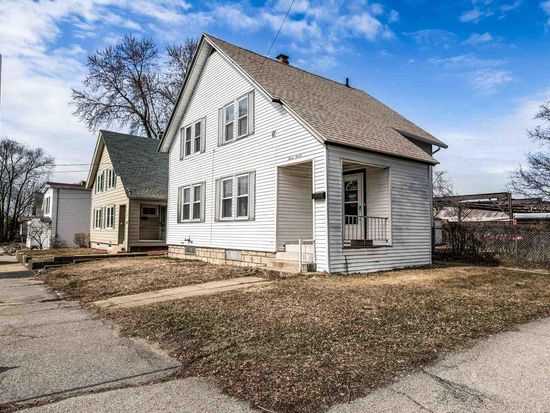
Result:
121,224
354,220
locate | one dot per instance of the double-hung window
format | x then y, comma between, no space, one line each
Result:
98,218
242,117
191,203
235,197
110,217
111,178
236,119
192,138
229,119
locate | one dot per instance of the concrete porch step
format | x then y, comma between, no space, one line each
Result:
294,256
291,266
306,248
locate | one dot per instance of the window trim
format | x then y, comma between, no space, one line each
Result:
237,196
251,215
110,225
232,198
192,129
242,117
192,202
225,123
98,218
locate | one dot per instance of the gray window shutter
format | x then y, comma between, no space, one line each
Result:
203,200
179,204
203,134
252,196
220,127
217,200
251,113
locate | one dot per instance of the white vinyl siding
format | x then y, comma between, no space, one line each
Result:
275,139
409,192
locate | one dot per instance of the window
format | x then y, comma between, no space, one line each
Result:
192,137
148,211
243,116
236,119
229,121
47,205
197,137
191,202
111,178
242,196
186,213
98,218
188,141
110,217
235,197
227,198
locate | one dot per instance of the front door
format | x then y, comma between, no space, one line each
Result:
354,221
121,224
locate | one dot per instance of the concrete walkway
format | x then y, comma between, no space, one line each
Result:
178,293
509,372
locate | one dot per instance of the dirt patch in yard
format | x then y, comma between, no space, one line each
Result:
307,343
102,279
48,254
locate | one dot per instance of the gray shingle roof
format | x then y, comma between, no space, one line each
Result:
342,115
143,170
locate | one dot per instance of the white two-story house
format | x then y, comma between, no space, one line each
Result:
270,165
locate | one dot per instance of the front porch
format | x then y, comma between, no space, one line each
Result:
365,205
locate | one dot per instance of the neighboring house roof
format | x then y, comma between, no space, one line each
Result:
135,159
337,113
63,185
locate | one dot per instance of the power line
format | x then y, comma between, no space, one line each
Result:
72,164
62,172
275,38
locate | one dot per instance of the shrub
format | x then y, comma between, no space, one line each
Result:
82,239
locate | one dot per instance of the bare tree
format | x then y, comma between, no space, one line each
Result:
23,171
534,178
129,86
442,186
39,231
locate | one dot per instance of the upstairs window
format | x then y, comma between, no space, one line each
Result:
111,178
192,138
236,119
47,205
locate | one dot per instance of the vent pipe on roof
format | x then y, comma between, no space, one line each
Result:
283,58
347,82
159,136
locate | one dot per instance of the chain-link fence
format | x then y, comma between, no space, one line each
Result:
503,243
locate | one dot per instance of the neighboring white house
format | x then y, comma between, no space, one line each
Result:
64,211
263,155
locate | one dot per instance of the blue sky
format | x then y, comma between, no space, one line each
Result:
472,72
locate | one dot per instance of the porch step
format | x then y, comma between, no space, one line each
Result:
306,248
294,256
291,266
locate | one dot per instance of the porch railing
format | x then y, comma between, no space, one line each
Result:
364,230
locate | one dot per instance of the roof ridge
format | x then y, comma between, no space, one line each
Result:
102,131
285,64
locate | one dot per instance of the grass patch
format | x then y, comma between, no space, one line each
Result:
102,279
303,344
48,254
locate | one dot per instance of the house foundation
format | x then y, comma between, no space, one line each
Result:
241,258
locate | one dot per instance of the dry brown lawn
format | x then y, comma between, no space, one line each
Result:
48,254
304,344
106,278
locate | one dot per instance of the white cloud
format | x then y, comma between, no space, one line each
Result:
393,16
484,75
545,5
483,153
368,26
477,38
470,16
432,37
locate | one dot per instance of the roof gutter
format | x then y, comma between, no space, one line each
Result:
391,155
